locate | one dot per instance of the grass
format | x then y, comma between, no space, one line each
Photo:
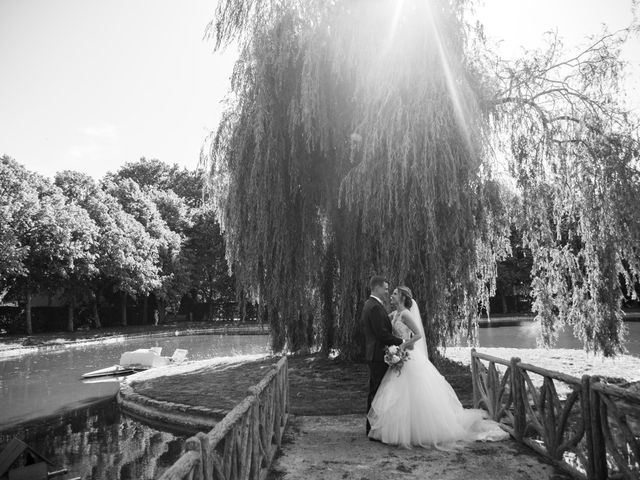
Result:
318,386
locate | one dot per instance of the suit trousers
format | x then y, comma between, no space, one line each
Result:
376,373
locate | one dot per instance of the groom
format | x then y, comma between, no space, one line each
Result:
377,333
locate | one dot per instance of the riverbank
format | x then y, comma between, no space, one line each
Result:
13,345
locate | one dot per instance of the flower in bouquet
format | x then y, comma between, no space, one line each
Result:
395,357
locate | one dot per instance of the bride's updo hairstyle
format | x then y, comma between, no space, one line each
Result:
406,296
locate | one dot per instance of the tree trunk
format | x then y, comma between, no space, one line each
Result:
27,311
503,299
243,309
70,307
123,308
145,309
431,338
96,314
328,338
162,311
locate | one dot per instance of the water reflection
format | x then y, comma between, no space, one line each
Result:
99,442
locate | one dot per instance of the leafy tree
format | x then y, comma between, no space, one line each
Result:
210,279
75,266
53,239
173,209
126,256
187,184
513,271
18,205
177,194
361,138
141,207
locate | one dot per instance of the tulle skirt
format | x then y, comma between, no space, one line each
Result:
418,407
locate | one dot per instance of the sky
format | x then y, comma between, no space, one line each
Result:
89,85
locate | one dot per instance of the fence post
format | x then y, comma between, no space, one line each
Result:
598,460
285,374
207,460
474,379
585,406
518,395
193,444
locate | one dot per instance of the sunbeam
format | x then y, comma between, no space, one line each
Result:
458,104
393,27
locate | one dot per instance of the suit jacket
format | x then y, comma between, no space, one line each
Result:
377,330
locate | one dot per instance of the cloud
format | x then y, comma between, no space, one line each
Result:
106,131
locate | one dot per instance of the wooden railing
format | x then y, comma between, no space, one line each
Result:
590,429
244,443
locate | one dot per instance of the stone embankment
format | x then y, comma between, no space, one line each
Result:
175,415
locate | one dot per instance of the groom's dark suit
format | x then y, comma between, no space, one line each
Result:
378,334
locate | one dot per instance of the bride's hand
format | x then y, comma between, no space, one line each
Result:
407,346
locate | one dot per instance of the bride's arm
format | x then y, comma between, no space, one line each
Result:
410,322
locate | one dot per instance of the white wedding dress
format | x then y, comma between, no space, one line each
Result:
418,407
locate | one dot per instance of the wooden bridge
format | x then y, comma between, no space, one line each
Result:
586,427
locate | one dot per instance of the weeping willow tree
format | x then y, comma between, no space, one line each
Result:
574,154
361,137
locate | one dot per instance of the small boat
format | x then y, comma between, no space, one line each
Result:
138,361
114,370
18,461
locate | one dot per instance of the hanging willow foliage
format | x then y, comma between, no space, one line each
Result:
360,139
574,154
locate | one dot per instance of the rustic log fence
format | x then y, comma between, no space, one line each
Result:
244,443
590,429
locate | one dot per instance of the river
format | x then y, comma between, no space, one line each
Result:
525,336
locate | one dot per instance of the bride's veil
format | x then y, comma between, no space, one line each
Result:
415,313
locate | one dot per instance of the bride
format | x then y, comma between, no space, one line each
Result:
417,406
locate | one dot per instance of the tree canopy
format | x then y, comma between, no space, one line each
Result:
83,240
381,136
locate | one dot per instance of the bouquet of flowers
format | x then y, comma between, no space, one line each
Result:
395,357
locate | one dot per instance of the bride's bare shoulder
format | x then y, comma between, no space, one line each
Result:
407,318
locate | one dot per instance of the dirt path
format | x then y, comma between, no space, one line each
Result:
335,447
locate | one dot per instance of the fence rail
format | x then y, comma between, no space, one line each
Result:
590,430
244,443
